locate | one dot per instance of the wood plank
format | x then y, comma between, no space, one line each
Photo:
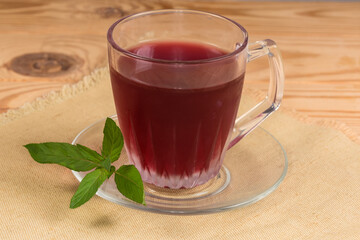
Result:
319,41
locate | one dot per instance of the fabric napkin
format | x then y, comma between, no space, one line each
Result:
318,199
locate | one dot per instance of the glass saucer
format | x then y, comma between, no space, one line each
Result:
252,169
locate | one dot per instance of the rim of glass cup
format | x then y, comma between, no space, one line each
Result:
164,11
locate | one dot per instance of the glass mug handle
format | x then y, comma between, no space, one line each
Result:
251,119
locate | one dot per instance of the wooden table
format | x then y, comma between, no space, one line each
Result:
46,44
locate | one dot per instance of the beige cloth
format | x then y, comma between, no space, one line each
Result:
319,198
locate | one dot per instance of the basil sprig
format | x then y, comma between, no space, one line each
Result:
80,158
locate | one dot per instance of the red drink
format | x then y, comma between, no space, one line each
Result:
176,121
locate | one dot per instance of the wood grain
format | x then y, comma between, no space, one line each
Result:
319,41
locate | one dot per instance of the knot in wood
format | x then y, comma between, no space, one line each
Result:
43,64
109,12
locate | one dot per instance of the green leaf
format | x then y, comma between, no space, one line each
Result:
88,187
112,170
64,154
113,141
129,183
106,164
89,154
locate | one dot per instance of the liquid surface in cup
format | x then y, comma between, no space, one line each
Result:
181,51
173,135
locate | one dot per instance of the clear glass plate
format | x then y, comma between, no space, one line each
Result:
252,169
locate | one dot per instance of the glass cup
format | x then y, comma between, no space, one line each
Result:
177,115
